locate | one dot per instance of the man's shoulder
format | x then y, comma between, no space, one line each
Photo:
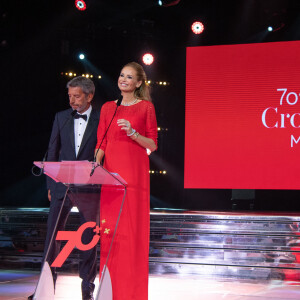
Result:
64,113
95,113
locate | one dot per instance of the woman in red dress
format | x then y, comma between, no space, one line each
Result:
124,148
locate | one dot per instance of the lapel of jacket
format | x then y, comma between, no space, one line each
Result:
92,123
70,127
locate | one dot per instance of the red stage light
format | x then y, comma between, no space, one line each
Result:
80,4
148,59
197,27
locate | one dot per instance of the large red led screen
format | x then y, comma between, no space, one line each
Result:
243,116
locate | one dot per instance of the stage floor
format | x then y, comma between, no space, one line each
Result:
18,285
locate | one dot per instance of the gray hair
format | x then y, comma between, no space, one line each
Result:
86,84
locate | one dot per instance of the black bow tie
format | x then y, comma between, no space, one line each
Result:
77,116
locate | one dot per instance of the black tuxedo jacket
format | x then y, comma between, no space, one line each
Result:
62,144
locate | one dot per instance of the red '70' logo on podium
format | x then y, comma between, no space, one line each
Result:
74,240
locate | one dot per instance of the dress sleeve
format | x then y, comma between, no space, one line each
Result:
101,129
151,124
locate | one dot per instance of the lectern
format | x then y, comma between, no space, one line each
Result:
81,187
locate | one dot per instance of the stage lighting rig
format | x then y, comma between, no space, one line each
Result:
80,5
167,3
197,27
276,28
148,59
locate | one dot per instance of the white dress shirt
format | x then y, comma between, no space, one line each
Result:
79,129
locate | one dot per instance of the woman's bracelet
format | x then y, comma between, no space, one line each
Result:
135,135
132,132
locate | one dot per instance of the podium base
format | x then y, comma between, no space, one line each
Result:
105,289
45,286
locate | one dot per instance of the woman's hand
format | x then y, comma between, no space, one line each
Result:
125,125
138,138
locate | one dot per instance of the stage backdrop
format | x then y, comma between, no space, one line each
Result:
243,116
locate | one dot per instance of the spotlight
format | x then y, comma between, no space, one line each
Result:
270,28
166,3
81,56
148,59
80,5
197,27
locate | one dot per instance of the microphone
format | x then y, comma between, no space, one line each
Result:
94,165
73,113
119,100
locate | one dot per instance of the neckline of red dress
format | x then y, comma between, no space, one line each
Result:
130,105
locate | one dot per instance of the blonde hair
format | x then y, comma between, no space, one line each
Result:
142,92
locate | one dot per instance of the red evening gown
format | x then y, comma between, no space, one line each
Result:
128,260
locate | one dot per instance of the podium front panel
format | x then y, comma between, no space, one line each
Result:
85,236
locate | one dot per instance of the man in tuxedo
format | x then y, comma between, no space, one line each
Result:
74,137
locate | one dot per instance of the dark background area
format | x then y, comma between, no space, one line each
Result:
40,41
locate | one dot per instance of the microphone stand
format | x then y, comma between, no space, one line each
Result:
95,165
